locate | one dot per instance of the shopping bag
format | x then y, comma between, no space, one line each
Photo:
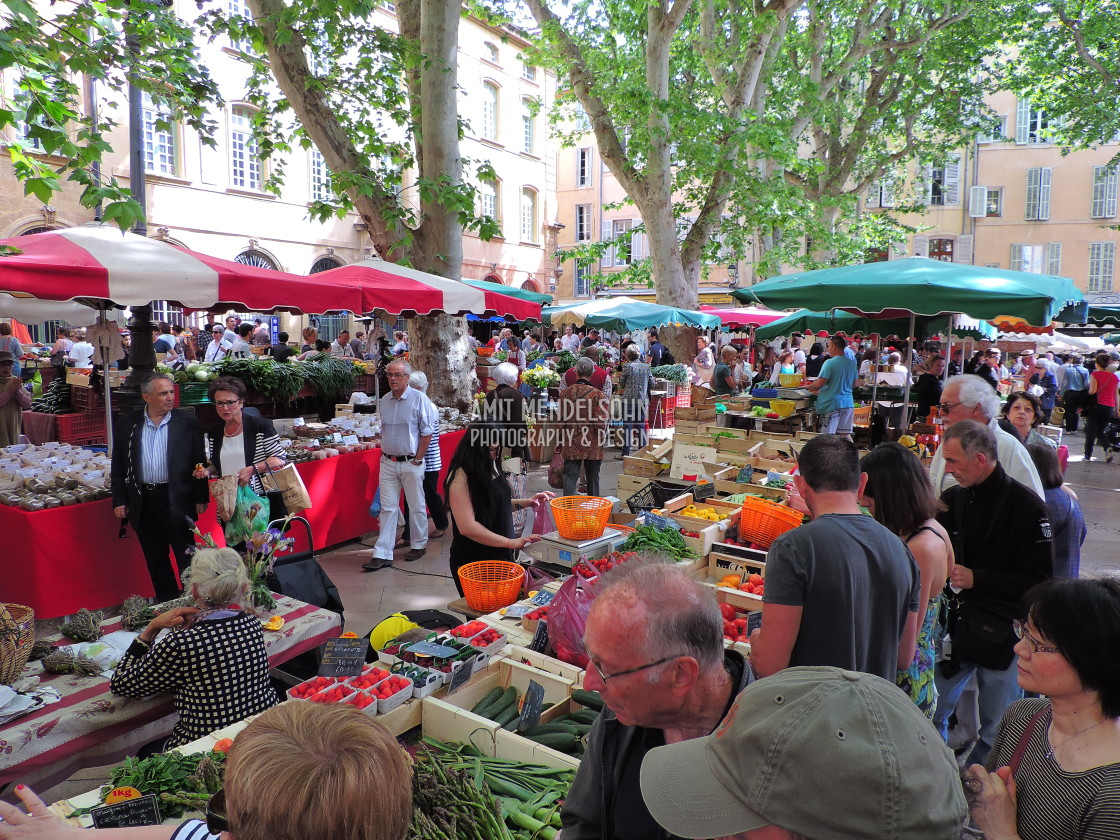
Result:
556,470
300,576
543,523
224,493
249,517
289,484
567,618
375,505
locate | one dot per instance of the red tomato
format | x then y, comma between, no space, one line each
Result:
727,611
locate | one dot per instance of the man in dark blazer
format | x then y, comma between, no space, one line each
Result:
155,451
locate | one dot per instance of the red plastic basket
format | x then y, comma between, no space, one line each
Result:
80,428
86,400
684,397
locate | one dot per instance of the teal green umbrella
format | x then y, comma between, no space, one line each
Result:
523,294
1111,338
1101,315
623,314
920,286
837,320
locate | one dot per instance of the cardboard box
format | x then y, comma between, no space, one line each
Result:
689,459
78,376
117,378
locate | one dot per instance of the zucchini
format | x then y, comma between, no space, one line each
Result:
512,725
552,728
495,708
584,716
491,697
564,742
510,712
591,699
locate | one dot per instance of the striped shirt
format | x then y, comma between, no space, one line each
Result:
433,461
193,830
1052,803
153,450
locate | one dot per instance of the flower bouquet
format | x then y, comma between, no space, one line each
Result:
540,377
261,549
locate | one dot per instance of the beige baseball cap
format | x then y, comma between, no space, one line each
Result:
824,752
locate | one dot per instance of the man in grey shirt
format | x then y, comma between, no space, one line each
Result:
407,425
841,590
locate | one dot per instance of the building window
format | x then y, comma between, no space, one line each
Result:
583,223
1104,192
246,171
996,134
583,167
320,178
488,200
881,193
256,258
1032,125
1041,258
159,140
21,128
943,183
528,72
324,264
164,311
941,249
582,281
583,122
528,215
528,128
240,9
489,111
1102,258
1038,194
993,202
490,52
620,251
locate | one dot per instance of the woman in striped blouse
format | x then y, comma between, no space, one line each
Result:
242,443
1054,772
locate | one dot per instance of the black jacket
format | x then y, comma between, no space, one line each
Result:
184,452
1001,531
260,439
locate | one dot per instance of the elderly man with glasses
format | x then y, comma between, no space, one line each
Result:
969,397
654,638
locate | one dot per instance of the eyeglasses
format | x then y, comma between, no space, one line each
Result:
1022,633
216,819
226,403
945,408
605,677
397,375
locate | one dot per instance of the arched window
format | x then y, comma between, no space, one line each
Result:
246,171
489,199
489,111
490,52
528,215
492,278
324,264
256,258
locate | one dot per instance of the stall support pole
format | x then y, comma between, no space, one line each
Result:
904,421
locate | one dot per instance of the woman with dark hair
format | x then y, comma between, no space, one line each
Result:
1100,407
1066,521
1022,413
481,501
816,360
898,493
1054,772
1043,380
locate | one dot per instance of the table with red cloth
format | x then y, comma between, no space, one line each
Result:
90,725
59,560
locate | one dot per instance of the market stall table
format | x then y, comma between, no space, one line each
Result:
62,559
90,725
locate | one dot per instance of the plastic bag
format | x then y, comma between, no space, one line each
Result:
375,505
567,618
534,580
251,516
543,523
556,470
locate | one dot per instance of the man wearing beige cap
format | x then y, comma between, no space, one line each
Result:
816,753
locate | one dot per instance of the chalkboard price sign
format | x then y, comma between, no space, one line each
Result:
531,706
540,638
460,677
343,657
128,814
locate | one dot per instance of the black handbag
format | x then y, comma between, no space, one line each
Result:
300,576
983,632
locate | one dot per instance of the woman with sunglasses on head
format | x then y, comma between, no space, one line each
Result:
243,443
298,771
1054,772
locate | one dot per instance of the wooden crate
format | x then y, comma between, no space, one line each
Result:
696,413
632,465
720,565
685,500
710,533
732,488
628,485
543,662
741,446
692,427
694,439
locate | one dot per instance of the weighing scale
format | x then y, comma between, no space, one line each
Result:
555,550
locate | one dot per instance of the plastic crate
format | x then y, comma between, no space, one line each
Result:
194,393
86,400
653,495
684,397
80,428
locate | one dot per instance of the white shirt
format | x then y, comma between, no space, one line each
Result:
82,354
1013,457
240,349
233,454
798,357
570,343
341,350
216,350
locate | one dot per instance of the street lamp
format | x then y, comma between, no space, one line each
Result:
733,276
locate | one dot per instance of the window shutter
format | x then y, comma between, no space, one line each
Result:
927,182
1034,177
952,180
977,202
639,243
1044,193
886,192
1022,121
1110,192
607,232
873,195
962,253
1054,258
920,246
1096,210
1016,257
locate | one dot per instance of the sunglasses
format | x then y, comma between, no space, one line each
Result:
216,819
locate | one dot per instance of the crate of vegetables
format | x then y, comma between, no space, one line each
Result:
308,688
391,692
738,581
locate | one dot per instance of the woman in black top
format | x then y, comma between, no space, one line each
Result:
481,502
816,360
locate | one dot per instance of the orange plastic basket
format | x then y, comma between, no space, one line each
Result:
581,517
489,585
763,521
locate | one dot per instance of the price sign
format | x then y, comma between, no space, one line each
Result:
336,437
543,598
746,475
433,649
754,621
130,813
661,523
460,677
343,657
297,421
540,638
517,610
531,705
312,443
350,440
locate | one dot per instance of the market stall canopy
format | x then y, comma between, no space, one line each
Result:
399,290
32,311
522,294
99,262
924,287
838,321
621,314
1103,314
741,317
1011,324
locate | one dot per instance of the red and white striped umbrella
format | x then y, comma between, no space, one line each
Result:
101,262
399,290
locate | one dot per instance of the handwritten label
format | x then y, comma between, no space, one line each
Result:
746,475
543,597
336,437
350,440
540,638
130,813
297,421
531,705
343,657
754,621
460,677
517,610
433,649
661,523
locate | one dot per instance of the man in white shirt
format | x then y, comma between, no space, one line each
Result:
569,340
230,333
969,397
218,348
798,353
340,347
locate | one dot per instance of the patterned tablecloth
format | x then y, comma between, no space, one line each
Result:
92,726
